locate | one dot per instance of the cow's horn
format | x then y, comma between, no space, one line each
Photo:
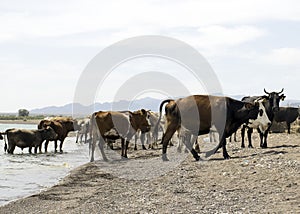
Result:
281,91
266,91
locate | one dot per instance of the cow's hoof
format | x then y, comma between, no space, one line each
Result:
135,148
250,146
164,157
144,148
242,146
197,158
226,157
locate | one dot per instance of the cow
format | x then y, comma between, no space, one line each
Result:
62,126
288,115
84,125
27,138
151,137
197,114
271,105
124,123
256,124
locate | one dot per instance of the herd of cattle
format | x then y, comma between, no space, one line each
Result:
189,117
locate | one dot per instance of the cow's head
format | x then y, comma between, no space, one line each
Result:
252,110
141,120
262,121
49,133
274,99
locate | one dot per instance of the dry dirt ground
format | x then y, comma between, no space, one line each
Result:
252,181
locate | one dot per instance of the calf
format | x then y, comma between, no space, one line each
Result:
28,138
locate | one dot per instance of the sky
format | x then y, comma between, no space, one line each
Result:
46,45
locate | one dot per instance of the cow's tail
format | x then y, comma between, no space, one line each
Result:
160,114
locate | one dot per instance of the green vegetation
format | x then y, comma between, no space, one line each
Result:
16,117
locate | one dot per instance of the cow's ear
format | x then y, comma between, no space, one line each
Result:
143,111
249,106
282,97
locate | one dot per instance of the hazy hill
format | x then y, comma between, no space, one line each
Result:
146,103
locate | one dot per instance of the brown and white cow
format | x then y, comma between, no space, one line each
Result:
27,138
62,126
197,114
123,123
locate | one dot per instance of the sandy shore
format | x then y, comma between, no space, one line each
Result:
252,181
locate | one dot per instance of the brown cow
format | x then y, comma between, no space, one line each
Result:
123,123
197,113
62,126
28,138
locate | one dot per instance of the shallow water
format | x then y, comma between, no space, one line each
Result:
23,174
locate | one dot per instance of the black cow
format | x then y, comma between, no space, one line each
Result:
272,106
27,138
288,115
196,114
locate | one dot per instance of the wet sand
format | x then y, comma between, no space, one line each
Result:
253,181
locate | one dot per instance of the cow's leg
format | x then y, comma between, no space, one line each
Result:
55,146
249,133
101,147
197,147
35,149
77,137
189,141
126,148
11,149
46,145
122,147
143,141
29,149
135,140
265,145
225,154
92,146
288,127
243,136
60,146
235,140
222,143
166,138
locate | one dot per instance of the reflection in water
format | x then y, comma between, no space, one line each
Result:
23,174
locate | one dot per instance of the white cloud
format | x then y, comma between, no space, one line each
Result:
283,56
136,17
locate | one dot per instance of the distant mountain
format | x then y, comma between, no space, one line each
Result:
146,103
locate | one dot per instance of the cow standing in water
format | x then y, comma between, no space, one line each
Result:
62,126
271,105
198,113
27,138
287,115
